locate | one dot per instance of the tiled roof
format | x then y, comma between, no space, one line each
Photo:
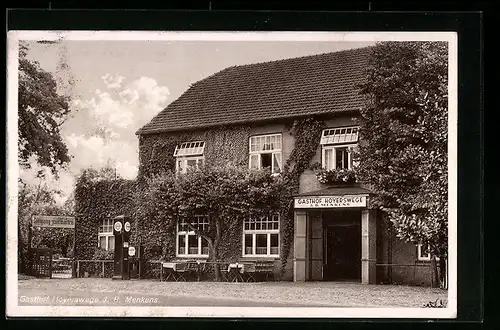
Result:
317,84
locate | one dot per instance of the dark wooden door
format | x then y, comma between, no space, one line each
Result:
342,253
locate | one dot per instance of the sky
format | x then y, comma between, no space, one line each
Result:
118,86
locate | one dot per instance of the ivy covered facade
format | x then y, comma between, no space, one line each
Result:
296,117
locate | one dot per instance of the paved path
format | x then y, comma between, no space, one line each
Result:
328,294
65,297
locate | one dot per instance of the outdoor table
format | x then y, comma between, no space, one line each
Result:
170,274
177,270
243,272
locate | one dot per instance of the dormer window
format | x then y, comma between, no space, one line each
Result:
265,152
189,155
337,146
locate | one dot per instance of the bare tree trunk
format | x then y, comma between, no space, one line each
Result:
20,247
443,273
216,250
434,271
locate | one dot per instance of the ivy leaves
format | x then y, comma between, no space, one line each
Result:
99,196
307,134
225,194
403,154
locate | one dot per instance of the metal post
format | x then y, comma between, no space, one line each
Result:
103,269
78,268
74,240
50,263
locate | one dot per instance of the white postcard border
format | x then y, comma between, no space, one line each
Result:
13,309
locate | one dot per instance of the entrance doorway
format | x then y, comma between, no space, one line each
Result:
342,243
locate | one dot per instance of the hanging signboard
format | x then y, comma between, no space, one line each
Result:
330,201
53,221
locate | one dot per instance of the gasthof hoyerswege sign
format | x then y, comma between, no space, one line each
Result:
330,201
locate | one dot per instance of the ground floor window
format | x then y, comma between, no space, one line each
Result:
261,236
106,238
423,253
188,243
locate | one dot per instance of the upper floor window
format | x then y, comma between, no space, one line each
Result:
106,238
337,145
189,155
261,236
265,151
188,243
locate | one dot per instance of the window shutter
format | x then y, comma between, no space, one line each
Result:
254,162
328,159
277,162
354,150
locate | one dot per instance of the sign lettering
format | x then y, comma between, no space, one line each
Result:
330,201
53,221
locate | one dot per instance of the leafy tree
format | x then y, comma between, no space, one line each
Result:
104,173
41,111
225,194
39,199
403,129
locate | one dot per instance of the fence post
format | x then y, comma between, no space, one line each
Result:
77,268
103,269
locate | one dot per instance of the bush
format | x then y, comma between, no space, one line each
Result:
336,176
101,254
438,303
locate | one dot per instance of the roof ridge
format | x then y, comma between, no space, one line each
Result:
234,95
301,57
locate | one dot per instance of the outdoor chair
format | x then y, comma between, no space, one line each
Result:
168,271
202,268
241,272
248,272
175,271
191,270
264,269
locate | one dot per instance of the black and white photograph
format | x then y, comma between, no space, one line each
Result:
232,174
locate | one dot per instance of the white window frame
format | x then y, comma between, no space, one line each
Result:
333,166
423,258
190,148
184,161
330,142
253,141
193,150
105,230
186,235
266,232
420,257
341,138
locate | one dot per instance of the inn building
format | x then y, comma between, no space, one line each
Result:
242,114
